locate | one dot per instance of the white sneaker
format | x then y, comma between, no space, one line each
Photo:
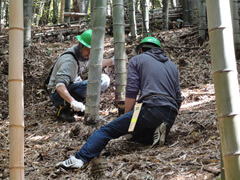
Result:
163,133
71,162
159,135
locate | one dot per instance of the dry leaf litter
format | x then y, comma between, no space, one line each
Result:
193,148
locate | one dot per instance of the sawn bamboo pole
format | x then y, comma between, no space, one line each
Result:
15,85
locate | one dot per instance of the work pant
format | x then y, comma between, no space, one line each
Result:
149,119
78,91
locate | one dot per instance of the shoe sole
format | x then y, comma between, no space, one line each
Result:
156,141
163,130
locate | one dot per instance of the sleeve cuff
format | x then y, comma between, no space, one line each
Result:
59,84
131,95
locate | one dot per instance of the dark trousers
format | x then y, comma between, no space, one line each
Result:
78,91
149,119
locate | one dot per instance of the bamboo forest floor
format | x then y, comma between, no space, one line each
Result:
193,148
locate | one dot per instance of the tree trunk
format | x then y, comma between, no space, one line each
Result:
95,63
173,3
55,11
39,12
195,11
132,17
82,6
202,21
152,11
15,87
0,16
67,8
226,84
119,54
62,11
165,14
92,11
28,5
235,21
45,15
190,11
222,175
185,12
109,8
6,13
145,14
87,6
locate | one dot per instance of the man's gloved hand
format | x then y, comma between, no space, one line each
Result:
78,79
77,106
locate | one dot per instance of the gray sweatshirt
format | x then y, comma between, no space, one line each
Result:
156,78
66,69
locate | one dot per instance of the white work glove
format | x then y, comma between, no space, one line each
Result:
77,106
78,79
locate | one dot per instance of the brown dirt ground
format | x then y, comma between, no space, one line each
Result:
193,148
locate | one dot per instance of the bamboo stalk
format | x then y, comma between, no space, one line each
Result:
119,53
67,8
95,63
202,20
145,10
236,31
132,16
15,83
165,15
225,83
62,11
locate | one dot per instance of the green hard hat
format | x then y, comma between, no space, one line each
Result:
148,40
85,38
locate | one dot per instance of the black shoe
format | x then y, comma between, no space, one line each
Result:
65,114
79,113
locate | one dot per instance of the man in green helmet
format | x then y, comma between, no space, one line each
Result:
66,88
153,77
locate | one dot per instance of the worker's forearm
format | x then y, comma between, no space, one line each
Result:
63,92
106,62
129,104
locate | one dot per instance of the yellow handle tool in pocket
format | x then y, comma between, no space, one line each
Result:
137,109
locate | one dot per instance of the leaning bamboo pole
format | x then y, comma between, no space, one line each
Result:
15,85
226,84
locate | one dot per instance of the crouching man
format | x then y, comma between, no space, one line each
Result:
66,88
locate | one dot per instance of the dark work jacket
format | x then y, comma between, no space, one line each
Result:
156,78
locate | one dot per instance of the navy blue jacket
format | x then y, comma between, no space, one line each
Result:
156,78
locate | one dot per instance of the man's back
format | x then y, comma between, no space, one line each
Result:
156,77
